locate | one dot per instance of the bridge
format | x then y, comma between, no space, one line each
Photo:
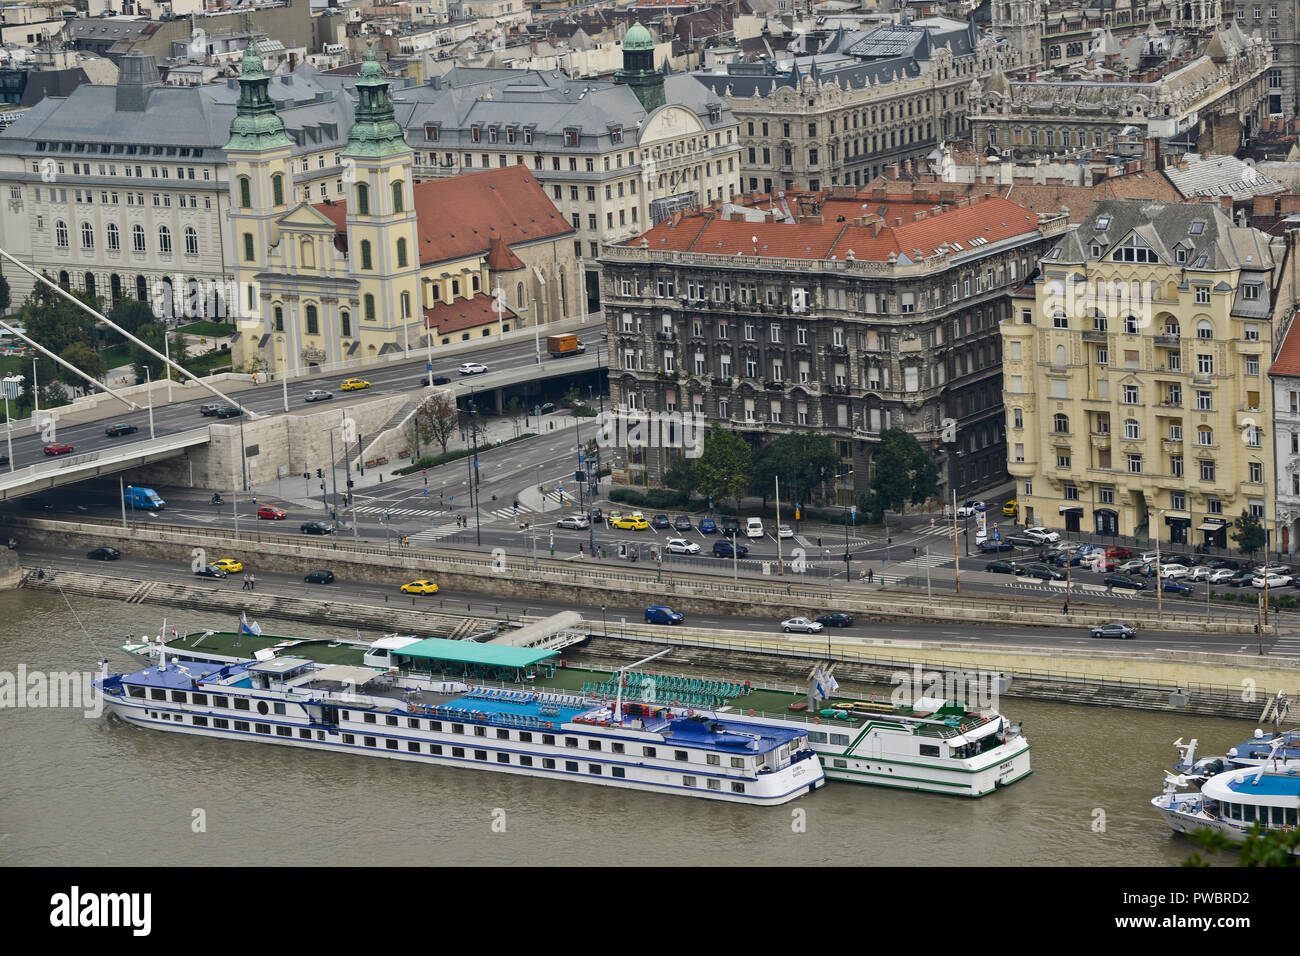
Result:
284,434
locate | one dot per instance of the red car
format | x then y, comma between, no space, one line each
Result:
58,448
274,514
1119,554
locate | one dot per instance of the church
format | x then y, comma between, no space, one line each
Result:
394,266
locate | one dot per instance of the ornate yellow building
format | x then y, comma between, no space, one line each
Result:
1135,369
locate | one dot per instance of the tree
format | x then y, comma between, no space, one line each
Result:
439,417
151,333
903,473
799,460
131,314
723,469
81,356
1260,848
681,476
4,296
515,412
1249,533
54,395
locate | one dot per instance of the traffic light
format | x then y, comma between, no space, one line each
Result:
579,476
319,473
351,482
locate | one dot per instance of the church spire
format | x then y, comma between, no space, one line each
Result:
375,131
256,125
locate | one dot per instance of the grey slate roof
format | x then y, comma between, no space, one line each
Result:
1215,176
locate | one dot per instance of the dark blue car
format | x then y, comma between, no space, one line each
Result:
659,614
991,546
725,549
1175,587
707,526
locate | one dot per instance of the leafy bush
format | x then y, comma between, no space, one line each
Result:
653,498
430,461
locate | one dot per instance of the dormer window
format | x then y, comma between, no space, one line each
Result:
528,135
510,134
431,133
1096,251
616,134
1133,249
572,137
1180,255
475,133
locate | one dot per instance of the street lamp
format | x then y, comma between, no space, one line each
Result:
1160,583
849,476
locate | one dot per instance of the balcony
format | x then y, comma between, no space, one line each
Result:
1168,340
1094,335
774,386
838,389
721,382
1203,378
664,336
837,349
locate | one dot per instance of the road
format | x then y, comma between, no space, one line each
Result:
270,581
270,398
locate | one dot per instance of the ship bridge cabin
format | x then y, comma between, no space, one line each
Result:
438,657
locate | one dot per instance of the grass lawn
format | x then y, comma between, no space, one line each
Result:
211,329
116,357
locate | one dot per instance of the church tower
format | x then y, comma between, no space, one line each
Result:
1197,16
1021,22
639,68
383,252
258,155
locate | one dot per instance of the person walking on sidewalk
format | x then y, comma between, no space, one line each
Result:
244,585
252,582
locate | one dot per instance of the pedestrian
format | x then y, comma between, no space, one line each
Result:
244,585
871,575
1065,608
252,582
579,549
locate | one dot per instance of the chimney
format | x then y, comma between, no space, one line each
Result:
1226,202
736,217
876,226
677,217
918,215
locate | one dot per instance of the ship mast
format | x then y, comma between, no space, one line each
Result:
618,701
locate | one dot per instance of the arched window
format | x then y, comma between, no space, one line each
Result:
141,289
114,238
245,193
61,234
277,189
401,253
363,199
345,324
63,278
191,241
370,306
1060,355
164,308
365,255
398,202
87,236
279,318
1132,430
193,299
137,238
164,241
1061,424
1204,435
519,294
1172,327
90,283
248,247
406,305
1204,329
313,321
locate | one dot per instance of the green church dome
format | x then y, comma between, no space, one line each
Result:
638,38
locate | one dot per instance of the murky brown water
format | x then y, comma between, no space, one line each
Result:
80,791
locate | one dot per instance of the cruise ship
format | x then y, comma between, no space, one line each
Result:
407,715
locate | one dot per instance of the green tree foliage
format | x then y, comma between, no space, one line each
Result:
152,334
57,324
54,395
4,296
801,461
681,476
1260,848
1248,533
81,356
439,418
904,473
723,470
131,314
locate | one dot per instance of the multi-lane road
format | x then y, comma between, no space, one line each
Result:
270,398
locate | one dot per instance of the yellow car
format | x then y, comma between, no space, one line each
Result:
1010,508
354,383
420,587
631,523
229,565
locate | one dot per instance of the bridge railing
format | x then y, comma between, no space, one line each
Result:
62,464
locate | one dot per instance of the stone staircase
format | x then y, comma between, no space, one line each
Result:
390,439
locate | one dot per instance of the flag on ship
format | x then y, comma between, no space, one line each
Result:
247,626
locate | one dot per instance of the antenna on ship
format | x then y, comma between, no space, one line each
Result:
618,700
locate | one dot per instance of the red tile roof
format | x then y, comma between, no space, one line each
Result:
464,314
1288,356
990,220
462,215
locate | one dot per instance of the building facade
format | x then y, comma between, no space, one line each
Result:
805,314
1285,377
1135,389
867,100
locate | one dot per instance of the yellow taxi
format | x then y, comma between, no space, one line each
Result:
1010,508
630,523
229,565
420,587
353,384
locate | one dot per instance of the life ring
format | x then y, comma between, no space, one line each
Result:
410,708
549,725
963,728
817,720
751,711
690,713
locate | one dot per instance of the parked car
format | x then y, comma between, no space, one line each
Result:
726,548
629,523
1271,580
318,395
661,522
1241,579
682,546
104,554
472,368
1119,554
319,577
113,431
1122,631
353,384
785,531
576,522
1042,535
754,528
545,408
801,624
1097,563
969,509
420,587
836,619
1131,565
1123,581
682,523
1178,559
1272,569
209,571
1222,563
58,448
1022,541
708,526
1043,573
1173,571
1221,575
1176,587
267,513
731,526
1004,567
995,545
659,614
1200,574
315,527
1149,557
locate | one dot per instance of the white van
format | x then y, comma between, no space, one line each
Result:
754,528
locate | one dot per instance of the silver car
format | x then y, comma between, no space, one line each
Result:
573,521
318,395
800,624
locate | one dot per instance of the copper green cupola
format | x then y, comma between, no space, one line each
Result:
375,131
256,125
639,68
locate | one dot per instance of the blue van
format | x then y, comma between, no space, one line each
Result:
658,614
145,498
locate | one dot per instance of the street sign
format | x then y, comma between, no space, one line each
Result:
428,366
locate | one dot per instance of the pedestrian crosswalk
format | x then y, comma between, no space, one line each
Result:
938,529
1059,589
904,569
435,534
398,512
1286,646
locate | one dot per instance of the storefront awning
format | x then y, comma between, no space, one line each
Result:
1209,526
1175,519
1068,508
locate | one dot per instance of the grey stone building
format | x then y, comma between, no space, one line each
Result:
807,313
